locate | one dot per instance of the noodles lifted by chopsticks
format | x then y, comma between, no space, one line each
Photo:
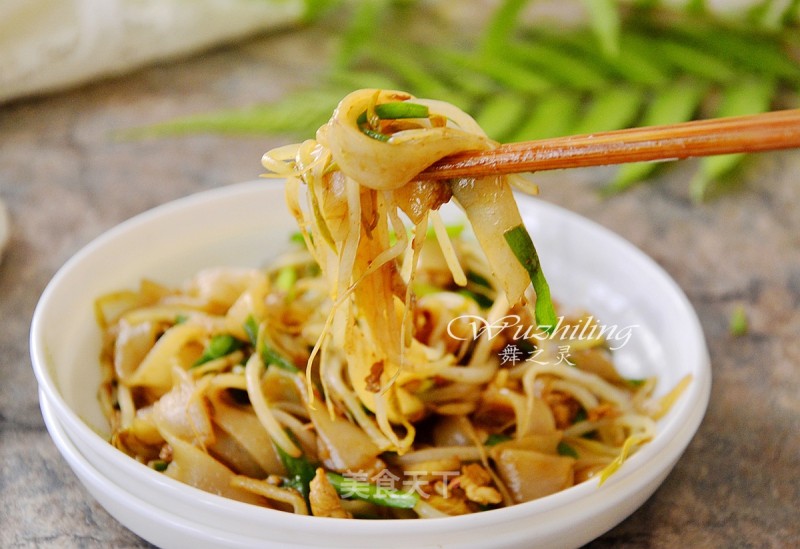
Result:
352,377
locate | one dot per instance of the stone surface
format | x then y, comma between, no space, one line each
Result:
66,178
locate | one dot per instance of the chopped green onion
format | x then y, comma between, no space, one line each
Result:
297,238
271,356
391,111
299,470
738,324
521,244
181,318
565,449
374,135
219,346
397,109
349,487
268,354
251,329
496,438
472,276
286,279
483,301
159,465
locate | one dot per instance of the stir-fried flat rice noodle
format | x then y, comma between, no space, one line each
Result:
349,378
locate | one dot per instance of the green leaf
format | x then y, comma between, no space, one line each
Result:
611,109
499,30
682,57
316,9
696,7
551,115
413,73
629,65
501,113
677,103
750,96
792,14
757,52
605,23
472,83
346,79
561,67
511,74
770,14
302,112
546,80
363,27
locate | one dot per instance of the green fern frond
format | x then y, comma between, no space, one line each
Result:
300,113
634,63
750,96
676,103
604,20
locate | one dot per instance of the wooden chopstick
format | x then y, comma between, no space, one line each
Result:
741,134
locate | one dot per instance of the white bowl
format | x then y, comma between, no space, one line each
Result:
144,518
246,225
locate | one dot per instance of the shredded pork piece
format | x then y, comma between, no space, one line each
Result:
474,480
602,411
449,505
323,498
564,407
